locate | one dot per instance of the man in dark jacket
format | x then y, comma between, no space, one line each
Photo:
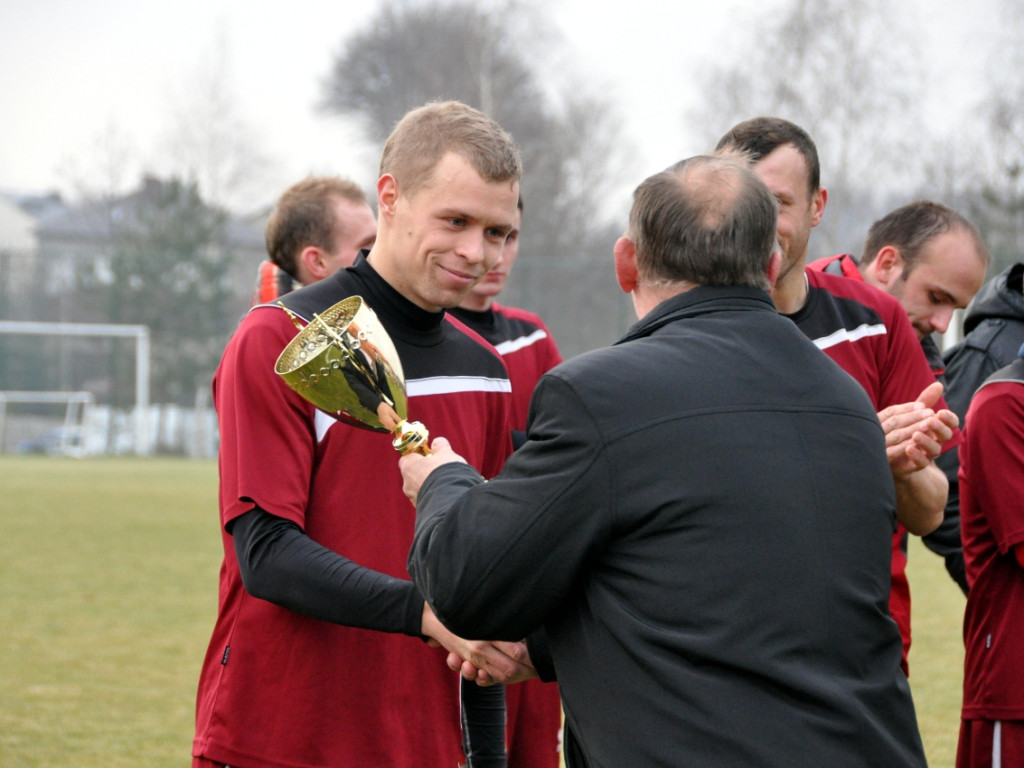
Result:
994,328
695,536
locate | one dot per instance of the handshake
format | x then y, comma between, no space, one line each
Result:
481,661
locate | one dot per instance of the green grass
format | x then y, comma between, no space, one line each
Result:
936,653
108,590
108,579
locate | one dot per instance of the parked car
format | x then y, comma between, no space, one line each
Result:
59,441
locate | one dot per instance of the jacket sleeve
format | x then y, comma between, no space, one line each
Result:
496,559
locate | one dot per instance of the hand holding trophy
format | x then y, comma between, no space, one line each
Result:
345,363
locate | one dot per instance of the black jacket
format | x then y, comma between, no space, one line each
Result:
994,324
994,328
700,522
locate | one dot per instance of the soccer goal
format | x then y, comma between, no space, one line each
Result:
140,334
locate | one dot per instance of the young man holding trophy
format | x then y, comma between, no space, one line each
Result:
318,656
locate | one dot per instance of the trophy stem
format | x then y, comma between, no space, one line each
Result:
411,437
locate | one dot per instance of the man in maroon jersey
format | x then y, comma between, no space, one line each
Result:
318,656
318,226
864,330
521,337
933,261
927,256
992,507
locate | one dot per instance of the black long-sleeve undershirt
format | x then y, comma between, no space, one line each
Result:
281,564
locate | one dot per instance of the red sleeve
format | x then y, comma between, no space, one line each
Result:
846,264
995,442
267,438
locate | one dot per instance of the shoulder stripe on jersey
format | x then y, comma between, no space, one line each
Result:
998,381
443,385
514,345
438,385
843,334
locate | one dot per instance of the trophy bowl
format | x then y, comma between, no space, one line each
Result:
344,363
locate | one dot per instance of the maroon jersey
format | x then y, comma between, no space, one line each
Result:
992,518
279,688
524,343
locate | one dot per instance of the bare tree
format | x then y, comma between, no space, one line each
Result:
165,265
107,169
208,140
492,57
845,70
998,206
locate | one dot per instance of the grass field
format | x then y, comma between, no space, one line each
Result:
108,578
936,653
108,590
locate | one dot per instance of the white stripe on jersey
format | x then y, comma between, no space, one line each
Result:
437,385
443,385
846,335
514,345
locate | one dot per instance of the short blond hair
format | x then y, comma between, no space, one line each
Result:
426,134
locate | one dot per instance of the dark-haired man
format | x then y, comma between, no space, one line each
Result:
864,330
933,261
927,256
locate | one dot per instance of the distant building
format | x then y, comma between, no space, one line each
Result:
50,249
19,242
87,235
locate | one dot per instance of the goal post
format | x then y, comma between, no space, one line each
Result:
71,437
140,333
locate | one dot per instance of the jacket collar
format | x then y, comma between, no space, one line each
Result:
699,301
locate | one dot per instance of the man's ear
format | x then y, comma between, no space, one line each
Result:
774,266
625,264
313,259
886,267
387,195
818,202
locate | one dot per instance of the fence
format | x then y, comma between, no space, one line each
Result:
100,430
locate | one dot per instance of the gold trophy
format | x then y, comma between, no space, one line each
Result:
345,363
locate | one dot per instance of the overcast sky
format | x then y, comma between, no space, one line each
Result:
72,73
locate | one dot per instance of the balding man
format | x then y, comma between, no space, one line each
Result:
698,523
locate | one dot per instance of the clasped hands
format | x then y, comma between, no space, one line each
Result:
484,662
915,432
